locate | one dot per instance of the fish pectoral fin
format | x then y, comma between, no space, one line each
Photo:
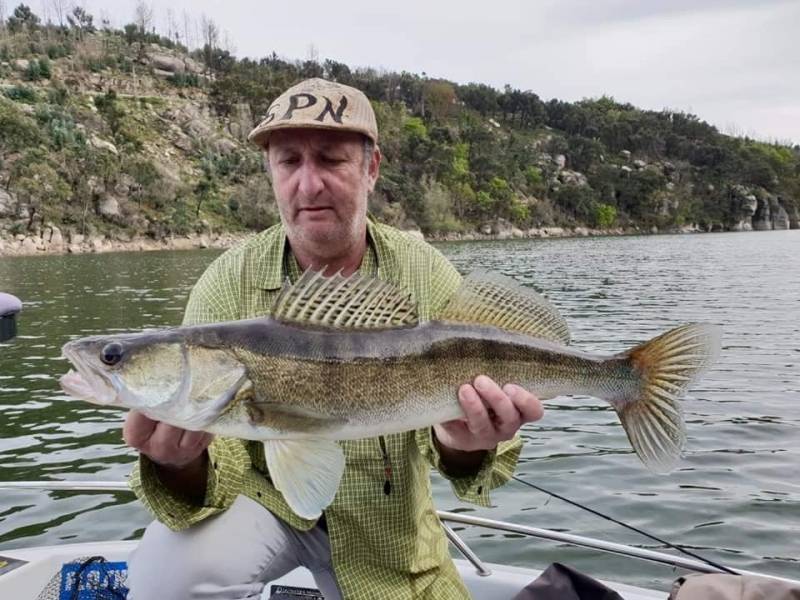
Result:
354,302
498,301
307,473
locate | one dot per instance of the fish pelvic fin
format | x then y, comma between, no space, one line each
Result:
354,302
307,473
498,301
667,365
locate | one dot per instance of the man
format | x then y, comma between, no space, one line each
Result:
222,530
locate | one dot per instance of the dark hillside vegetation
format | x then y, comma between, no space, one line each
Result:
125,134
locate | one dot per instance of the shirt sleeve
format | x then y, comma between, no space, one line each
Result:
497,468
228,459
213,299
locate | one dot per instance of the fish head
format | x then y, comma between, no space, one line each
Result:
164,374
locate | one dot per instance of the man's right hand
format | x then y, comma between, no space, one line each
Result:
181,455
164,444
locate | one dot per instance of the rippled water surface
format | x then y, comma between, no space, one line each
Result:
735,498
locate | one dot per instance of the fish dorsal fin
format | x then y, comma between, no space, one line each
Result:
491,299
354,302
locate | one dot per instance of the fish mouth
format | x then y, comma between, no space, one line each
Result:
87,382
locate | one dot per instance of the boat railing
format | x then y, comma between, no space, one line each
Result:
447,518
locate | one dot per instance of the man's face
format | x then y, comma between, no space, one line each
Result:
321,181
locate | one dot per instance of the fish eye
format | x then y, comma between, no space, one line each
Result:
111,353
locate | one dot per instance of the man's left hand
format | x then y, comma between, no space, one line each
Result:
491,415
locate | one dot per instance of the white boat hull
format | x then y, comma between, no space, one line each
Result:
25,582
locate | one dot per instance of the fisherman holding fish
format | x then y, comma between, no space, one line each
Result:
288,424
223,530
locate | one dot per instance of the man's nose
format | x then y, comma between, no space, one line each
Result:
310,183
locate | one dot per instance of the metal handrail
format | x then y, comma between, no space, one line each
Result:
445,517
585,542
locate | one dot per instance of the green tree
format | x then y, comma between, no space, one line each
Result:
22,19
604,215
81,21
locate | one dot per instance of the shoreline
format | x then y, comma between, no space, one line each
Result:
51,242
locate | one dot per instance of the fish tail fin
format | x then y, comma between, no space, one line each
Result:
666,365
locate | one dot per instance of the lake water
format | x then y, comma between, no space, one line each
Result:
735,498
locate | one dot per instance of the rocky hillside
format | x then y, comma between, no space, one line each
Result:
111,138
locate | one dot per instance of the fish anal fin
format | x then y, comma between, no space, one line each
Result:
498,301
354,302
307,473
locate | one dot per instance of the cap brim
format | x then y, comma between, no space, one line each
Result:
260,135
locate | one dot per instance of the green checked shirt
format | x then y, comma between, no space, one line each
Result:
384,545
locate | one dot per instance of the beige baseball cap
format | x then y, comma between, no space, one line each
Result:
318,104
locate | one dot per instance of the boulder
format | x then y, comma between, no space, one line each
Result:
780,218
193,66
223,145
560,161
109,208
8,204
167,63
639,164
769,214
553,232
28,245
96,244
96,142
626,154
162,73
20,64
568,177
55,237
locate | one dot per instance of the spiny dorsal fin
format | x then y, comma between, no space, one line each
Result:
490,299
354,302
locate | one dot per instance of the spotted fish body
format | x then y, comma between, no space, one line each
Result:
346,358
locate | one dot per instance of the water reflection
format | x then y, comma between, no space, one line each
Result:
735,495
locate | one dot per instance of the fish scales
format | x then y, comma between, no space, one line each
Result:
299,380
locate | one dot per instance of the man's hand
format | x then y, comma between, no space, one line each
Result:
491,415
181,455
167,446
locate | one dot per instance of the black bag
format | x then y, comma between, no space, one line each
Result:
559,582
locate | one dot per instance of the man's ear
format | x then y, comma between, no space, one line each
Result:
374,168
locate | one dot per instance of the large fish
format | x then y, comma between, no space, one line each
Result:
347,358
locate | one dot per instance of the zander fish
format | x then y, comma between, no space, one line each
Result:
347,358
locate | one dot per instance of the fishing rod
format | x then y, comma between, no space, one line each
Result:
708,561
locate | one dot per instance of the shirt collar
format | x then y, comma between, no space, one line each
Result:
272,273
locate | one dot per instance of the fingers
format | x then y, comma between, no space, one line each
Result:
492,412
529,406
501,409
163,443
475,413
137,429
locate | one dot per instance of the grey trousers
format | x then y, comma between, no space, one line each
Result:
231,555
